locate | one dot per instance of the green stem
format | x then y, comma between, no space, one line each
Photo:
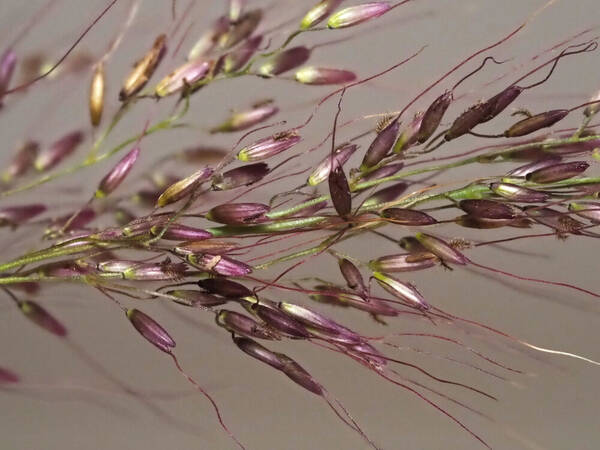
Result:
294,209
116,119
306,252
400,176
501,156
566,183
470,192
164,124
582,127
51,252
320,247
266,228
76,278
289,39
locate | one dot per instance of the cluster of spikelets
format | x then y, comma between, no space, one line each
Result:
337,204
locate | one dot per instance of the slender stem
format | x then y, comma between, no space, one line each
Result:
76,278
168,123
51,252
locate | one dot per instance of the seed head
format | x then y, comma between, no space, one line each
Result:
238,213
184,187
268,147
211,246
409,135
332,295
404,291
96,102
299,375
177,232
16,215
257,351
143,225
164,271
499,102
269,313
116,265
246,119
339,190
385,195
403,263
314,319
323,76
244,325
557,172
42,318
340,297
354,15
235,10
441,249
144,69
224,287
240,176
23,160
58,151
433,116
241,29
208,40
408,217
186,75
468,120
64,269
519,193
537,122
483,223
526,169
381,145
340,156
282,62
236,59
219,265
318,12
487,209
352,275
115,177
151,330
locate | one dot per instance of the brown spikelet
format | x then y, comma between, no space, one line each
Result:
460,243
383,123
285,135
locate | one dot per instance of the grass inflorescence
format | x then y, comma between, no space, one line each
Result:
223,230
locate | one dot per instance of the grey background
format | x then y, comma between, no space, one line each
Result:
554,405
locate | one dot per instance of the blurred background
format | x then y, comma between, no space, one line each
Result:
73,395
